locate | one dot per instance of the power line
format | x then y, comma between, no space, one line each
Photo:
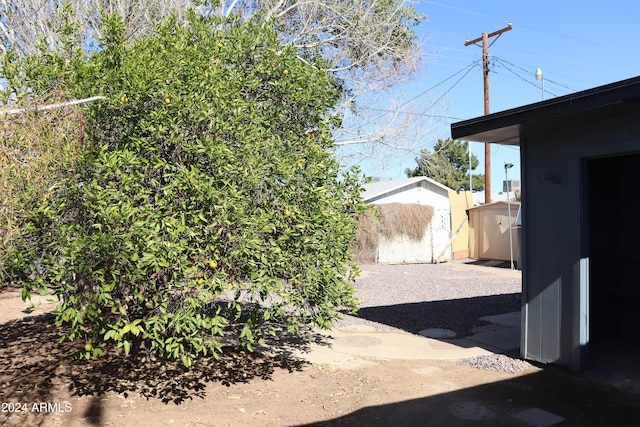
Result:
473,65
573,78
410,113
530,27
453,49
515,76
439,55
467,68
521,67
561,85
446,48
528,71
514,64
504,64
470,12
566,36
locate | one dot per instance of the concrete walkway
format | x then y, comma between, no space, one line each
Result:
359,345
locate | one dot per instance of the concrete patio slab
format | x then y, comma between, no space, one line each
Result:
505,339
538,418
348,346
509,319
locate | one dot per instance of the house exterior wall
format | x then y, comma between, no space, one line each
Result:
435,245
489,232
555,240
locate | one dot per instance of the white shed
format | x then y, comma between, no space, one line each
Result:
435,245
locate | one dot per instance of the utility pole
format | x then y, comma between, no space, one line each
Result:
485,71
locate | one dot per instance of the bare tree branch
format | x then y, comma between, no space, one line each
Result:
368,46
25,23
47,107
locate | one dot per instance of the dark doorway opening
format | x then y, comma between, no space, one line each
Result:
614,257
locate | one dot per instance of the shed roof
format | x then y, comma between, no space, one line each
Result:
514,204
373,190
505,127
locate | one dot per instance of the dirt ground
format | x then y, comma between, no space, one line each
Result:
41,386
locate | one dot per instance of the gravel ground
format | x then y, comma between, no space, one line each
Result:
452,296
497,362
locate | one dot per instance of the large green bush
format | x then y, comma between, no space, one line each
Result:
209,203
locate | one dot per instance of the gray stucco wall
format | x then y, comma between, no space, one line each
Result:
555,250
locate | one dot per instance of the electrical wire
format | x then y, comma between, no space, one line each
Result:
530,27
468,68
503,61
473,65
470,12
570,89
505,64
410,113
524,79
591,43
433,104
528,71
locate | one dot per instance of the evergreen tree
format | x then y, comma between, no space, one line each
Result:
448,164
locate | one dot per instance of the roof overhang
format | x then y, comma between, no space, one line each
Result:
506,126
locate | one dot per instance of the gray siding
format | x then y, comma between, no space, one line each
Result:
555,274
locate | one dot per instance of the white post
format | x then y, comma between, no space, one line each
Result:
507,166
470,176
49,107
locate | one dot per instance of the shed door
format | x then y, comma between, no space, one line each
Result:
441,234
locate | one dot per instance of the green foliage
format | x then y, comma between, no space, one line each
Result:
37,152
49,70
448,164
208,202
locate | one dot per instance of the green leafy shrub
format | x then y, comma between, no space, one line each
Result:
208,202
37,152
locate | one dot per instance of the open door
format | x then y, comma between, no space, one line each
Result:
613,228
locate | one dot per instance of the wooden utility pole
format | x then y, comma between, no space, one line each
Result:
485,71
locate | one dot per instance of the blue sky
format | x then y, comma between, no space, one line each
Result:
577,44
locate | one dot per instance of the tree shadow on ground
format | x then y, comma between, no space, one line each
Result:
36,367
458,315
557,392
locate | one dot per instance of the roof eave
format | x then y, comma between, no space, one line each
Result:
505,127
